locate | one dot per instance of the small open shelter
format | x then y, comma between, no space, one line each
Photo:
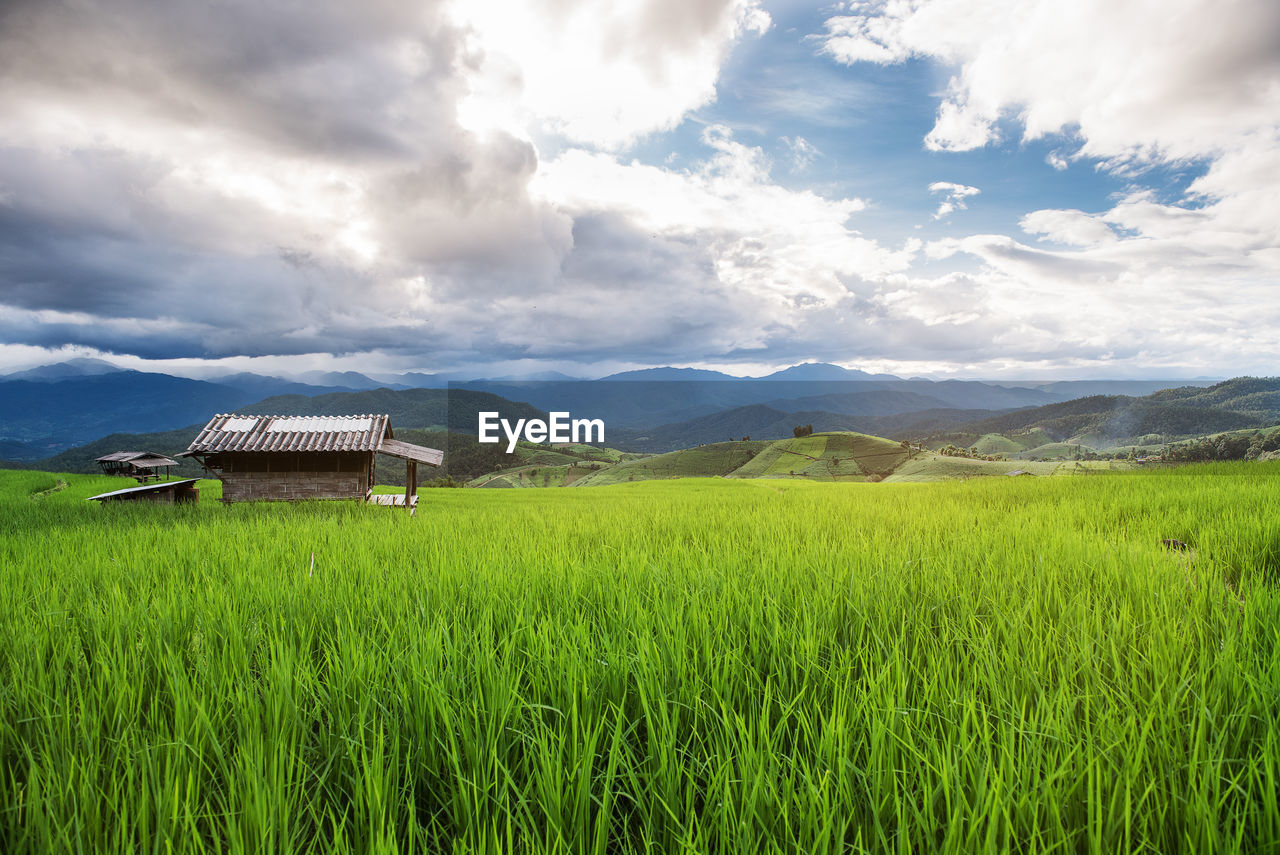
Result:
143,465
289,458
161,492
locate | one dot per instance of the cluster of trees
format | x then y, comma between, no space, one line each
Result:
802,430
950,450
1225,447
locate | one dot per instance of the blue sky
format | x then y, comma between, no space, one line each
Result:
971,188
868,123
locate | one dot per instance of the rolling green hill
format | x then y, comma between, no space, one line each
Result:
562,475
831,456
548,466
822,457
994,443
720,458
1055,451
827,457
936,467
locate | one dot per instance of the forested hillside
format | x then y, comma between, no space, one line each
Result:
1244,402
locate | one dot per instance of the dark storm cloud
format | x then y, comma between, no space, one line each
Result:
617,254
137,176
315,77
621,289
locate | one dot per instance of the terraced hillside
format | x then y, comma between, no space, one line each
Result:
827,457
925,468
560,475
718,458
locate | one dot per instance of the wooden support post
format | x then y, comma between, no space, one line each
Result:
411,482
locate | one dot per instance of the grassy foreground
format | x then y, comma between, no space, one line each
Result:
715,665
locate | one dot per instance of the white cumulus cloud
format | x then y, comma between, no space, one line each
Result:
1154,278
953,197
597,73
1139,79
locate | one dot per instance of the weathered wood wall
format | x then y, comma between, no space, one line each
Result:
292,461
293,476
293,486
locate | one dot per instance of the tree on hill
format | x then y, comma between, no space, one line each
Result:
802,430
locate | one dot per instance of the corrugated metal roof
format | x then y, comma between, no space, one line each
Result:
229,432
239,423
146,459
122,456
153,461
336,424
158,487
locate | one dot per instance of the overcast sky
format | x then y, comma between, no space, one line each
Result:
963,187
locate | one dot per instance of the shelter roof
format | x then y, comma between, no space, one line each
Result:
143,459
122,456
158,487
229,432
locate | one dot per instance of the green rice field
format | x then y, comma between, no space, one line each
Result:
674,666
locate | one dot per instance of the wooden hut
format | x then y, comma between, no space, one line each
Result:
288,458
142,465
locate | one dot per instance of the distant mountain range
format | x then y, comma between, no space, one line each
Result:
50,408
41,417
638,403
64,370
45,412
1070,389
